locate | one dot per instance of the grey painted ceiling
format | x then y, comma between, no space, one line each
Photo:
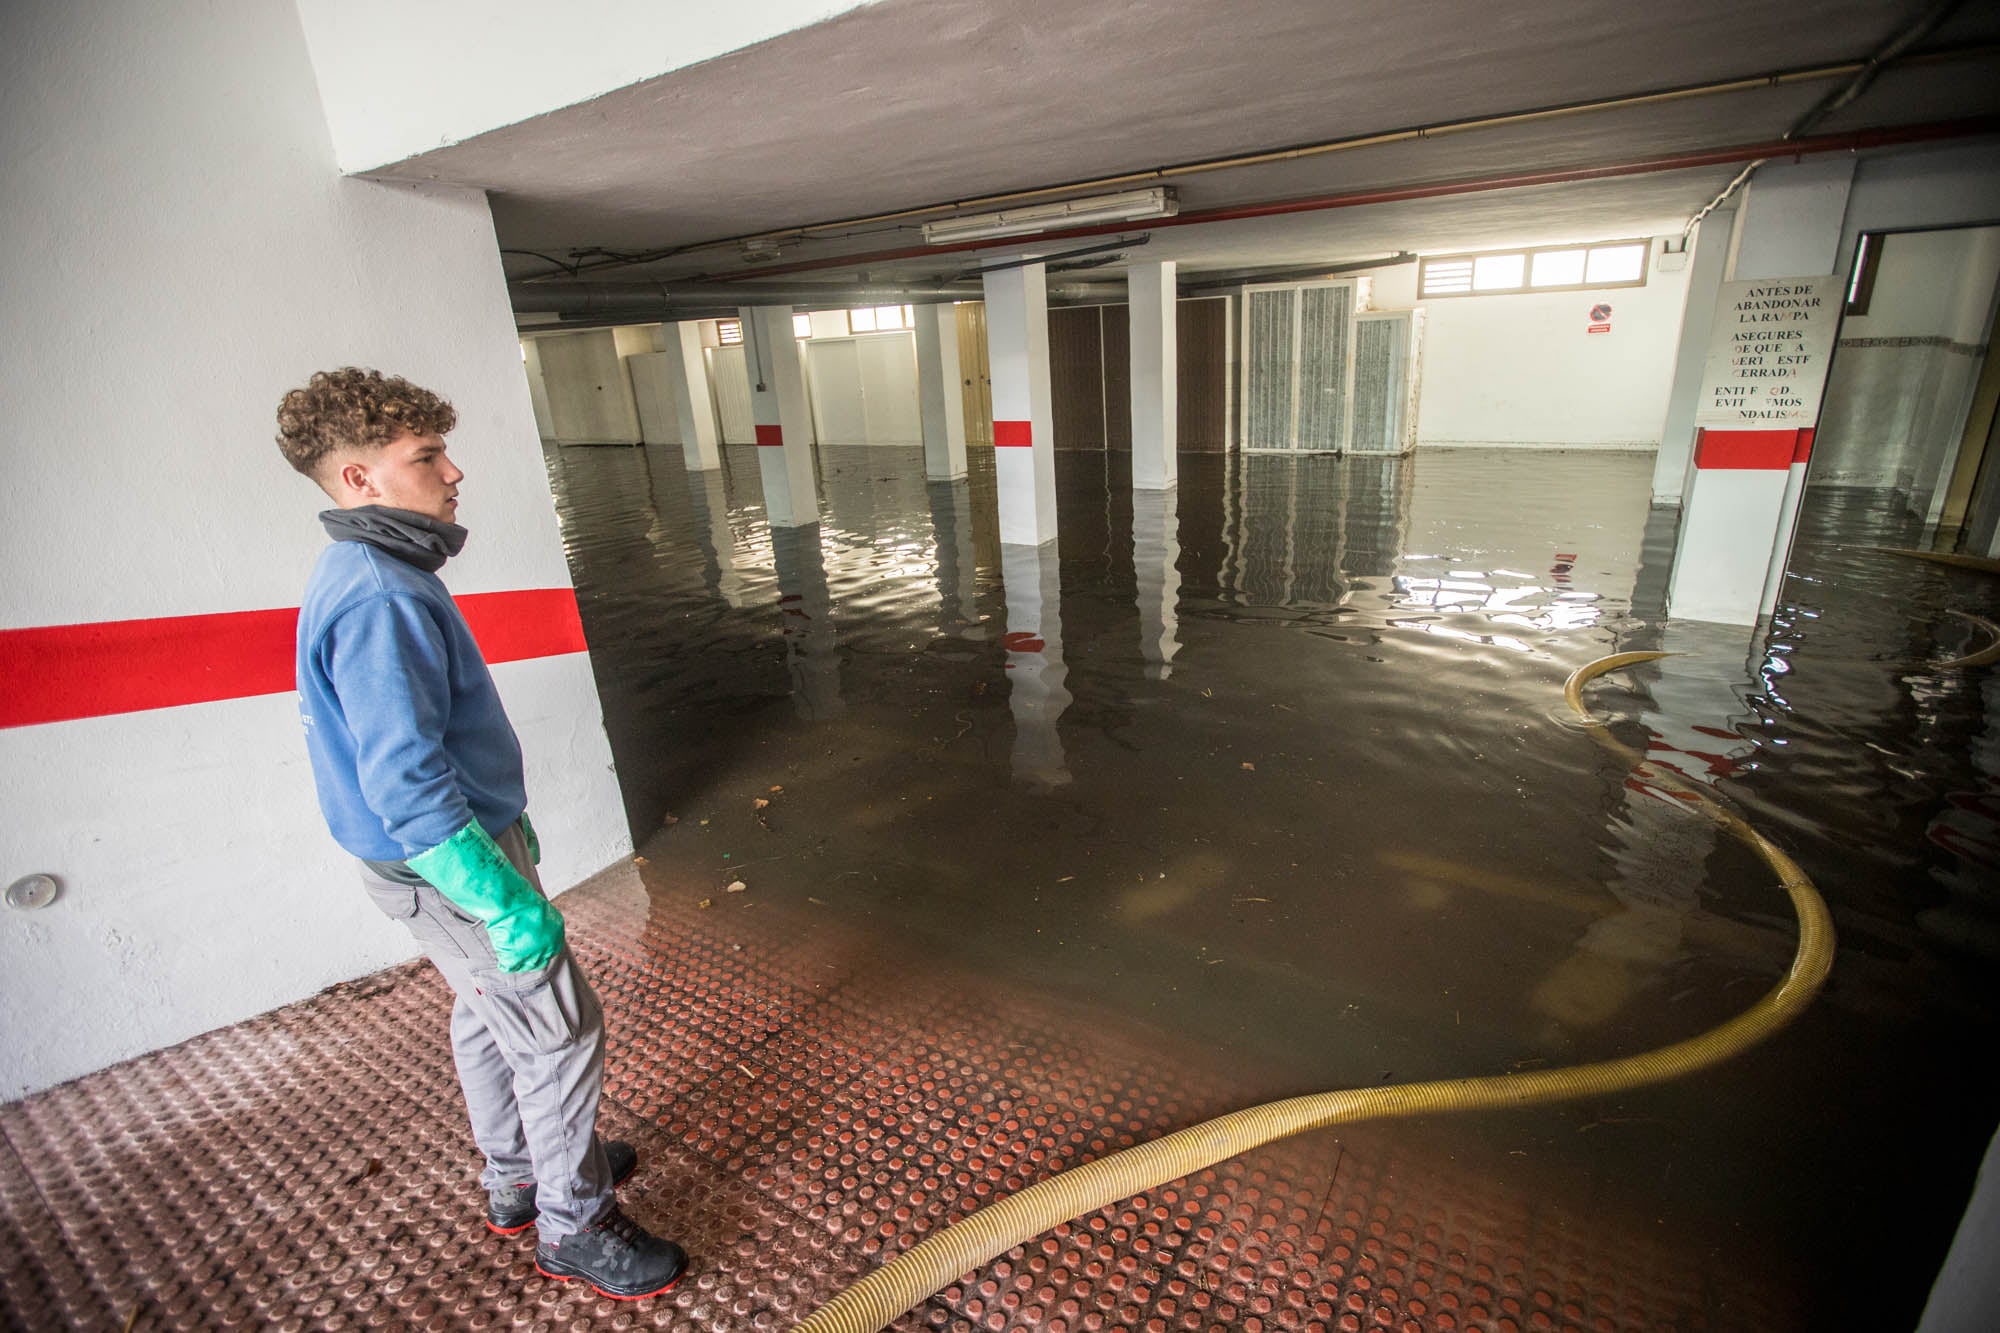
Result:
909,103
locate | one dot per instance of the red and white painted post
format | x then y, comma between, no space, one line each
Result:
1155,343
1017,346
784,420
1771,342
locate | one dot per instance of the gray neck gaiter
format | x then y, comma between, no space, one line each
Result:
421,540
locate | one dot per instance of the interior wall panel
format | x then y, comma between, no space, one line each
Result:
1204,374
1076,376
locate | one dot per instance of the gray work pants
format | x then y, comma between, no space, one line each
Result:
529,1048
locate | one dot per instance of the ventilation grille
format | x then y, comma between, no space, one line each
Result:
1325,328
1381,383
1269,359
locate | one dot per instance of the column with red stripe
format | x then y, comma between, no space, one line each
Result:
1017,348
1775,321
782,415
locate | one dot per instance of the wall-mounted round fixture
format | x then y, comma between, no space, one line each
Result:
32,891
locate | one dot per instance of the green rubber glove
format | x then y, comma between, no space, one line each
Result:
470,869
534,843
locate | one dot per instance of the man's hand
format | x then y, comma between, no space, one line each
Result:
470,869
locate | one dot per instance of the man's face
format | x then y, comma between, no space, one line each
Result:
410,472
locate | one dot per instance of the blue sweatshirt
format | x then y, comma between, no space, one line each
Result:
408,740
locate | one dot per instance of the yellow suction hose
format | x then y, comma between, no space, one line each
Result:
941,1259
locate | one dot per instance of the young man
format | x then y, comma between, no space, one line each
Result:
419,776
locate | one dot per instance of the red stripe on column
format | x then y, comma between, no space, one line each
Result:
57,673
770,435
1013,434
1745,449
1802,451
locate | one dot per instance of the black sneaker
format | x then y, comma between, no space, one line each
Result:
617,1257
510,1210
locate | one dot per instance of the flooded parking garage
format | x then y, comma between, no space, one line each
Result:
1289,781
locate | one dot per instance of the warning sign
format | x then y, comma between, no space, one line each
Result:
1768,354
1600,317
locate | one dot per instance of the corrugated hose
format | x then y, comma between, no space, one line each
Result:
941,1259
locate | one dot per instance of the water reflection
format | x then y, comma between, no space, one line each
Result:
1035,670
812,646
1156,555
957,562
708,512
1658,847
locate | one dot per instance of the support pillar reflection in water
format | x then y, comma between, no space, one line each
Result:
1156,558
783,418
1658,847
957,565
1035,669
1017,349
708,500
939,391
812,645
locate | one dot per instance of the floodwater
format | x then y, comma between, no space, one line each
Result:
1278,765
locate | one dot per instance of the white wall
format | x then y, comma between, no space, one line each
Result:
590,393
398,79
653,390
1521,369
864,388
169,171
1902,375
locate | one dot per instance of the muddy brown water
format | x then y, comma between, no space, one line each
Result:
1277,764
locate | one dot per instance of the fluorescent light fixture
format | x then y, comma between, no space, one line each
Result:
1129,206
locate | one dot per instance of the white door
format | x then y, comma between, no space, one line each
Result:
729,377
834,366
889,388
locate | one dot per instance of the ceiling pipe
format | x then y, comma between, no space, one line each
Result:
1853,141
1863,77
1210,282
572,297
613,302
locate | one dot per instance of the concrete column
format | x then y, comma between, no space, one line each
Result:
687,371
939,391
782,415
812,646
1675,460
1035,670
1155,375
538,388
1742,502
1156,558
1017,346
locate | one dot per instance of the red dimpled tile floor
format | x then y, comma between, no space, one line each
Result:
807,1103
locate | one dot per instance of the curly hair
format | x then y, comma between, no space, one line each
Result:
352,408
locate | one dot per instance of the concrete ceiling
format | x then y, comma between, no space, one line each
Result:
911,103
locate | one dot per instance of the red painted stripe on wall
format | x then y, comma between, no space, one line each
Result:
1802,451
770,436
58,673
1013,434
1746,450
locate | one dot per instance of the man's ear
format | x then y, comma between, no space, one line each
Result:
352,475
